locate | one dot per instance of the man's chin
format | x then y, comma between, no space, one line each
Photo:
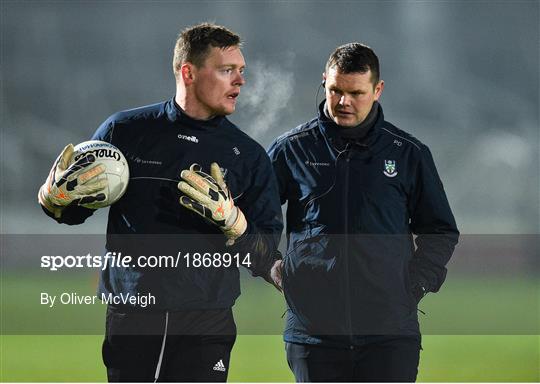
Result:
345,122
228,110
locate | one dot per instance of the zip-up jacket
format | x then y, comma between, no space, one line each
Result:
352,268
159,141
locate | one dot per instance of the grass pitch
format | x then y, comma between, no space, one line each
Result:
31,350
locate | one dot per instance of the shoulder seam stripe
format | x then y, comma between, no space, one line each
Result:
290,134
401,137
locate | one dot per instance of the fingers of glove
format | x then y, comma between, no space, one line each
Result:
90,199
59,166
198,170
91,187
65,157
88,174
194,193
217,175
206,186
81,163
196,207
76,168
198,182
195,167
205,176
212,185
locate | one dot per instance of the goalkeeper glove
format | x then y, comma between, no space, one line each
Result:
72,182
209,196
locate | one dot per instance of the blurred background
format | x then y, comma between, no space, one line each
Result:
463,77
460,76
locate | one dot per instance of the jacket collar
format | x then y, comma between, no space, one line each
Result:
329,128
177,115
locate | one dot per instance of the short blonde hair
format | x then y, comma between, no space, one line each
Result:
194,43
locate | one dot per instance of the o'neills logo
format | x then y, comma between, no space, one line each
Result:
193,139
100,154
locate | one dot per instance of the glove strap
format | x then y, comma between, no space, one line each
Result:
237,229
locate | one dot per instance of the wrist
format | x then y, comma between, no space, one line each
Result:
237,228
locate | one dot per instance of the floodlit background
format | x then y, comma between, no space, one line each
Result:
463,77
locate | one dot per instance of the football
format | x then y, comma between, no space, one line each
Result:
116,169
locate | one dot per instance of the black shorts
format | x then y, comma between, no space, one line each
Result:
168,346
380,359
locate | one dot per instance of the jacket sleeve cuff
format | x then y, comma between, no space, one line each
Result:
71,215
419,286
260,246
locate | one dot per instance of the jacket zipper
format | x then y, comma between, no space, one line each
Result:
346,251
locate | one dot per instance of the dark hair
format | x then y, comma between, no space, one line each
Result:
355,57
194,43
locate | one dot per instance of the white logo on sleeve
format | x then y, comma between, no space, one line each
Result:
220,366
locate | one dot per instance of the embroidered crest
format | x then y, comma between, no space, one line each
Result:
390,168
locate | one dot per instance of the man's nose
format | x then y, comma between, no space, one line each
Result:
344,100
239,79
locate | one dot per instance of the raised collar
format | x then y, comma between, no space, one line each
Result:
331,129
177,115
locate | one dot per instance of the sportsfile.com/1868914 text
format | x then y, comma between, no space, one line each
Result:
112,260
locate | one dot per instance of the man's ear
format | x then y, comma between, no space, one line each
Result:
187,71
379,89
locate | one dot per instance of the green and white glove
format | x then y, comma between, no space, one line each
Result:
72,182
209,196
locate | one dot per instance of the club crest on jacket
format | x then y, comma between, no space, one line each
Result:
390,168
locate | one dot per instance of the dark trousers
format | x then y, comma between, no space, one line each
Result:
190,346
381,359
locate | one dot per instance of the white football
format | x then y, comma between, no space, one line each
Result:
116,169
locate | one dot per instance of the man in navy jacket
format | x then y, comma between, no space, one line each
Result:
197,184
357,189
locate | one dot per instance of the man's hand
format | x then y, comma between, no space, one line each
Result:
209,196
275,276
72,183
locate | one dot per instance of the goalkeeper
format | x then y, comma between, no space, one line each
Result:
197,183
